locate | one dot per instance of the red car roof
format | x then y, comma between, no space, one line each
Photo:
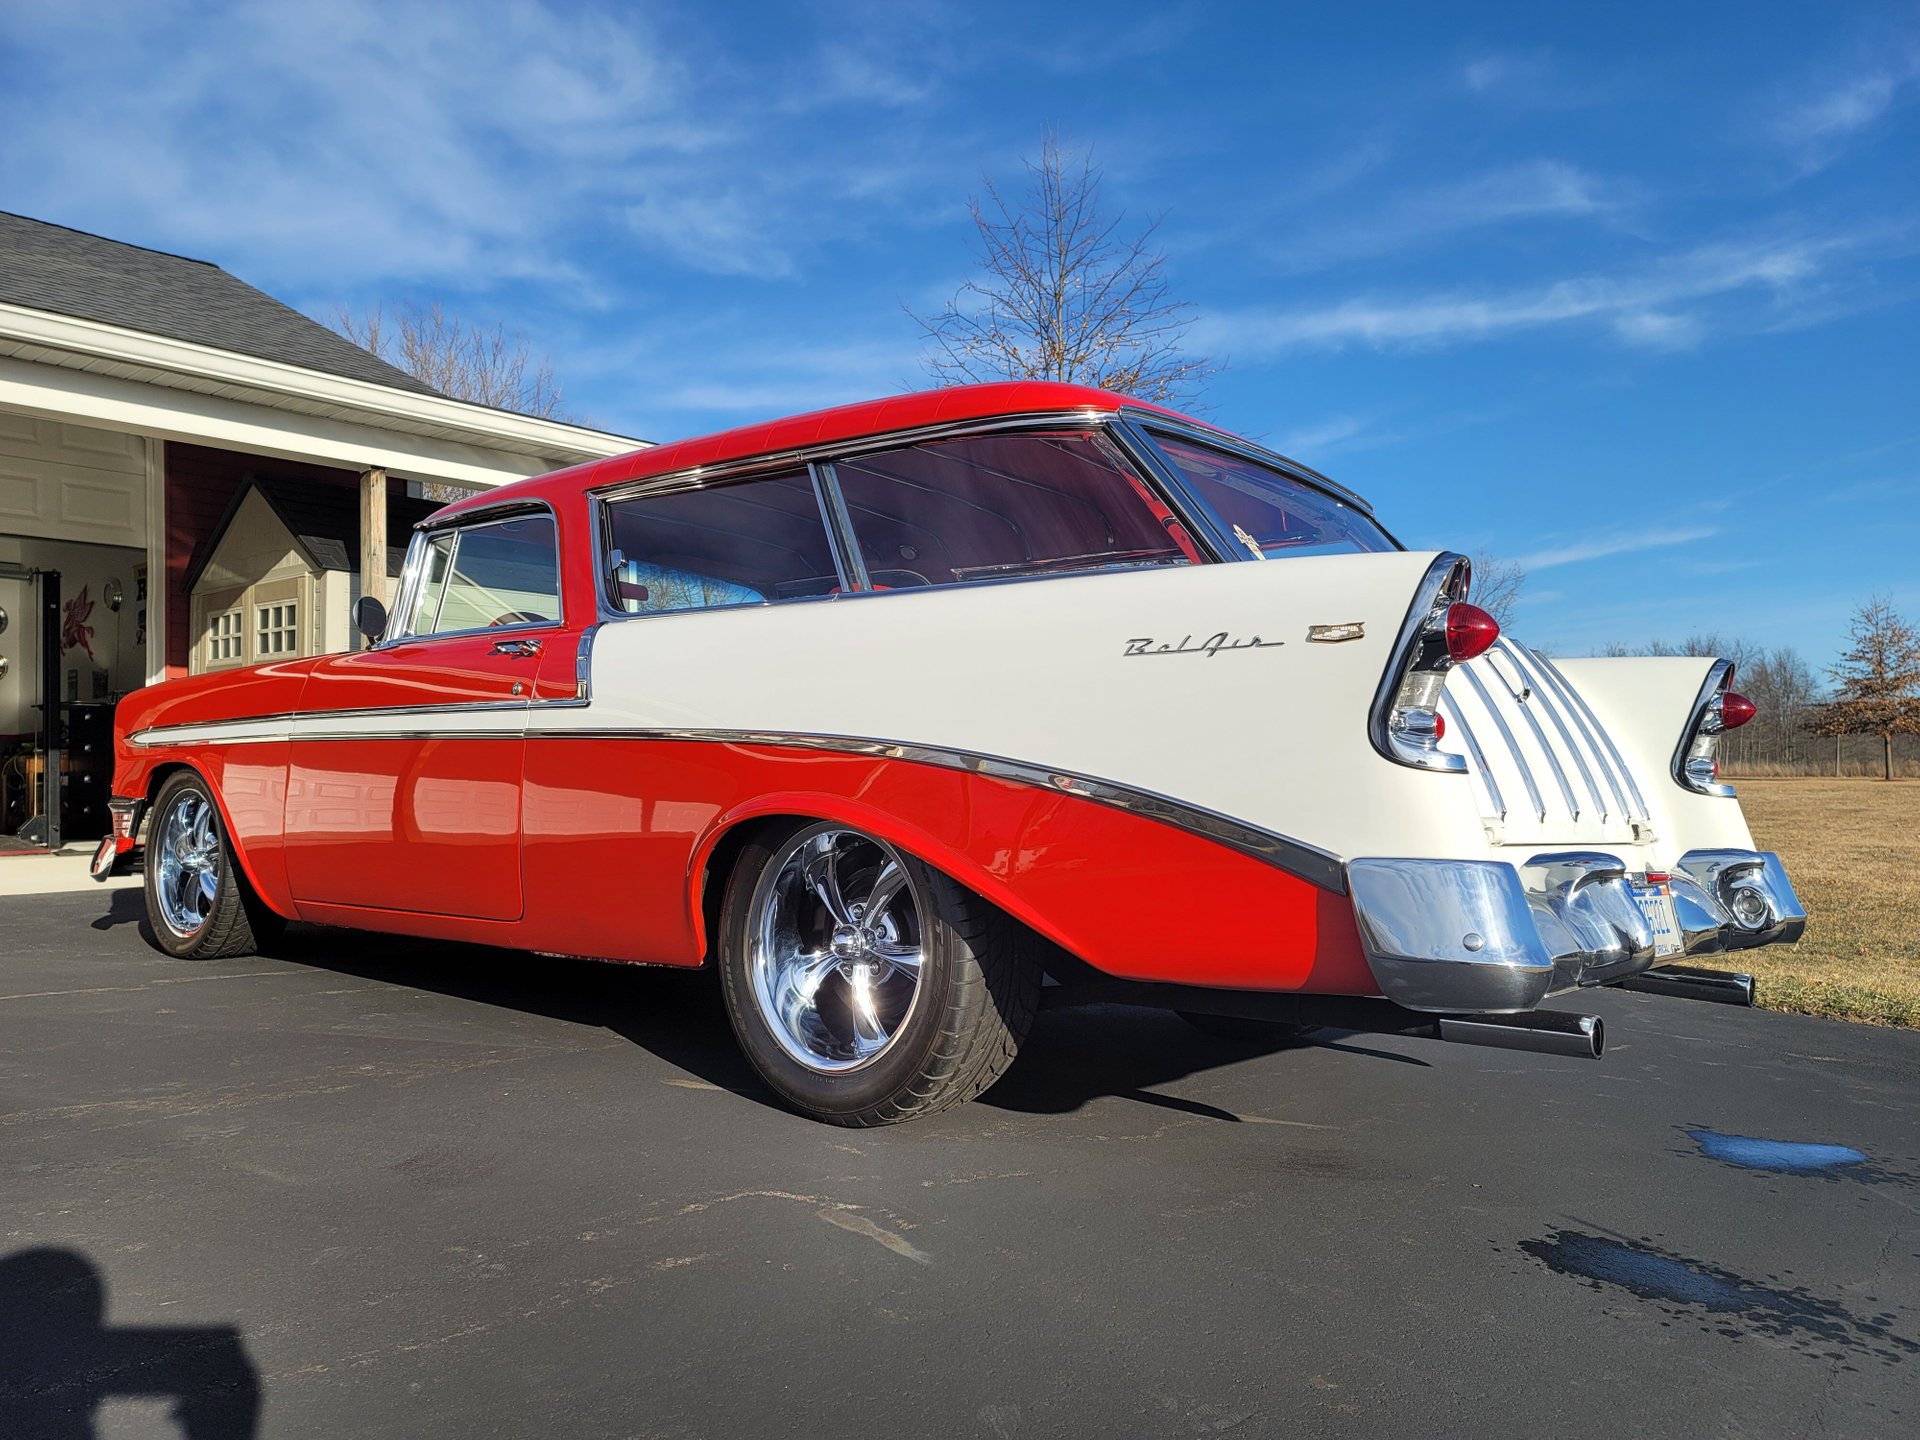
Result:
844,422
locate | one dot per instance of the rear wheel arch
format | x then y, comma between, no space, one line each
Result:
718,852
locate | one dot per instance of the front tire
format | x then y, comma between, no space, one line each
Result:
865,986
199,904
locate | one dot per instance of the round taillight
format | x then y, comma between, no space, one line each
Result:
1471,631
1736,710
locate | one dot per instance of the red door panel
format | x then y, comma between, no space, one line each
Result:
403,790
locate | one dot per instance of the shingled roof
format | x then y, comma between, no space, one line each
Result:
69,272
324,521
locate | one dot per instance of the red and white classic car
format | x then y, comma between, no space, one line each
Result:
906,713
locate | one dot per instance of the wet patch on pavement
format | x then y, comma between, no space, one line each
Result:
1728,1304
1821,1160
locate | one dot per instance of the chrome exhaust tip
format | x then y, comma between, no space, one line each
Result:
1693,982
1546,1032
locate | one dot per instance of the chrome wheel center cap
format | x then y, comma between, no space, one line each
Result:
849,942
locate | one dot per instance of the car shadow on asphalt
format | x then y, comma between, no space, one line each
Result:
125,906
60,1360
1084,1053
1073,1056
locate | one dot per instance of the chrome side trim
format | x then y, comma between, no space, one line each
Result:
582,670
1413,630
1306,862
1296,857
1517,654
1506,734
1450,935
1487,782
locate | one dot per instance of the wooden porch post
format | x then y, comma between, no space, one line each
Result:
373,536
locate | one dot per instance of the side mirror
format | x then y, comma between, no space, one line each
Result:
370,618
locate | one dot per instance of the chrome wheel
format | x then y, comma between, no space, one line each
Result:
836,947
188,850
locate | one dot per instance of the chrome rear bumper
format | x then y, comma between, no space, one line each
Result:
1484,935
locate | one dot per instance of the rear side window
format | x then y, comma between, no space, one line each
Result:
740,544
1001,506
1269,511
489,575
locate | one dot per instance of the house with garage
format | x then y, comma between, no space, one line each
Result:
163,427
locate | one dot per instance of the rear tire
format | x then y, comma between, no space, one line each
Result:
865,986
199,904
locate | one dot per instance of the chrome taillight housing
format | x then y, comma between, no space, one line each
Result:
1441,630
1696,763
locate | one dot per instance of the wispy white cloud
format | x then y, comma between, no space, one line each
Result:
1646,306
1419,216
1818,127
1615,542
1329,434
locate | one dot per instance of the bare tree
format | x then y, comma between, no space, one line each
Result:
1063,293
482,363
1497,585
1878,679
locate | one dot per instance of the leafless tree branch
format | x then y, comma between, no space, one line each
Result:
1063,293
484,364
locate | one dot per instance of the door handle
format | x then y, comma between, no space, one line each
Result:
516,647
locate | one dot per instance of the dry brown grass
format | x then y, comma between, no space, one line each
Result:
1850,847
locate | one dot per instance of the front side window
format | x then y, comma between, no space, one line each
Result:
992,507
276,629
741,544
503,572
1267,511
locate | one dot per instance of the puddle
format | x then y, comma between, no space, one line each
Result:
1787,1157
1727,1303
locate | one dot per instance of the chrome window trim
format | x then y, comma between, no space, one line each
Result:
846,548
1425,599
847,559
414,566
697,477
1142,423
1719,679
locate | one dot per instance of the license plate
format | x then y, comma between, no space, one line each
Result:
1655,899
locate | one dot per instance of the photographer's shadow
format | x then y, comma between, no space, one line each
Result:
59,1359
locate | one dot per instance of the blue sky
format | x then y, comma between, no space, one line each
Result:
1628,293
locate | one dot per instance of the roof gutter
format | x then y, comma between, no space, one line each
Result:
73,342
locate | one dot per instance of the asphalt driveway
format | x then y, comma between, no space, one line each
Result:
376,1187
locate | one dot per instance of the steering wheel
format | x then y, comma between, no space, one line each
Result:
518,617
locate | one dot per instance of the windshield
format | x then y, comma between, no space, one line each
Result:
1268,511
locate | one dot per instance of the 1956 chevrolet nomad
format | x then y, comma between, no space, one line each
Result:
907,714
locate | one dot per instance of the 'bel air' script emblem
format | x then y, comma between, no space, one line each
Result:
1210,646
